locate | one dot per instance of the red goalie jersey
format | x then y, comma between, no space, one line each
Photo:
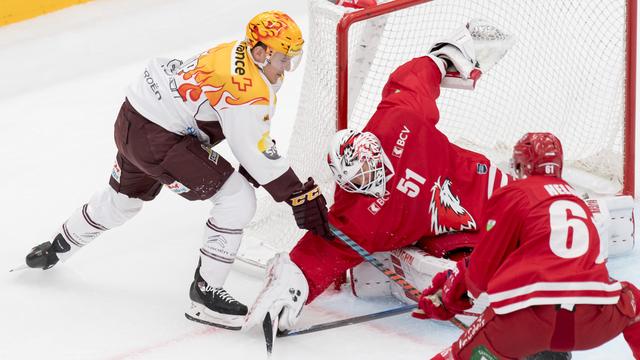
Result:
437,187
540,246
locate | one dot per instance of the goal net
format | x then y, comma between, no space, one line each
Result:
571,72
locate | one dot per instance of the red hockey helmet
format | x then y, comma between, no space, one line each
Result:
537,154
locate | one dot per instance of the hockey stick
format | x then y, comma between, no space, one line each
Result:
269,327
349,321
395,277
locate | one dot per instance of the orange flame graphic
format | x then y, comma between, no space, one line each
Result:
216,85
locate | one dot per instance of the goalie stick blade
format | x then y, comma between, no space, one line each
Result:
349,321
269,327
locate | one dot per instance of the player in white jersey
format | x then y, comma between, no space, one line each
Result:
172,116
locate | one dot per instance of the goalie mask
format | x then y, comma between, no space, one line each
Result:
358,162
537,154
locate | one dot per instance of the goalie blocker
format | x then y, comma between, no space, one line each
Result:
418,264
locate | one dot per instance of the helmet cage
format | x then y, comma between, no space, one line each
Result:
359,164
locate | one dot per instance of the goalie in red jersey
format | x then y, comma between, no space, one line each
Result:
400,178
542,264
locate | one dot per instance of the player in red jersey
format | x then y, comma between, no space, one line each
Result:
540,260
401,180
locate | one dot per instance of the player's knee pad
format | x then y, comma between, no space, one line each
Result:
235,204
111,209
615,223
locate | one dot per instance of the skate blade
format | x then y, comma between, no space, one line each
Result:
198,314
19,268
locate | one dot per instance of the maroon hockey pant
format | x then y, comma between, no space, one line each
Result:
150,156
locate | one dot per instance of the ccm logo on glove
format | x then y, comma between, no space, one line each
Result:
309,196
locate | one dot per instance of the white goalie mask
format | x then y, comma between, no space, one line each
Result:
358,162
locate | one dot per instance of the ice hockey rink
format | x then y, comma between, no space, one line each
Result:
124,296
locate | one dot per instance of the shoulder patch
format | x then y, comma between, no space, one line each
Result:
490,224
267,147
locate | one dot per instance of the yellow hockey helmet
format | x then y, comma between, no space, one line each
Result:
278,31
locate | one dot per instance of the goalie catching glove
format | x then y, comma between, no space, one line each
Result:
310,209
447,295
470,51
284,293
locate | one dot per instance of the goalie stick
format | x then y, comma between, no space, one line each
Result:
349,321
395,277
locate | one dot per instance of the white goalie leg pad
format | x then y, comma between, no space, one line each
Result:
284,293
471,50
368,282
105,210
615,222
413,264
419,268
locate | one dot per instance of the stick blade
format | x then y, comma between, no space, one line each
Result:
269,327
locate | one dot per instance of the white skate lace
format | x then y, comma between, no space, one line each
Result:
222,294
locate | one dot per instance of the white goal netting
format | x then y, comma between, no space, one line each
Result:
566,74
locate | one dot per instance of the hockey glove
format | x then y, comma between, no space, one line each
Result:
447,295
248,176
310,209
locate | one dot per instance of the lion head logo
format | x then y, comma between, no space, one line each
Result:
447,214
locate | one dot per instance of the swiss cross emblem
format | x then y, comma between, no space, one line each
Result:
243,84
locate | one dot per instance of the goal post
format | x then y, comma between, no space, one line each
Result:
571,72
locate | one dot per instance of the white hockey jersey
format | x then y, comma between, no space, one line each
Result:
218,94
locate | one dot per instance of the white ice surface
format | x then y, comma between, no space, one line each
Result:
123,297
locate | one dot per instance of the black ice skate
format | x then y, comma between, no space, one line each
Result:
214,306
44,256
